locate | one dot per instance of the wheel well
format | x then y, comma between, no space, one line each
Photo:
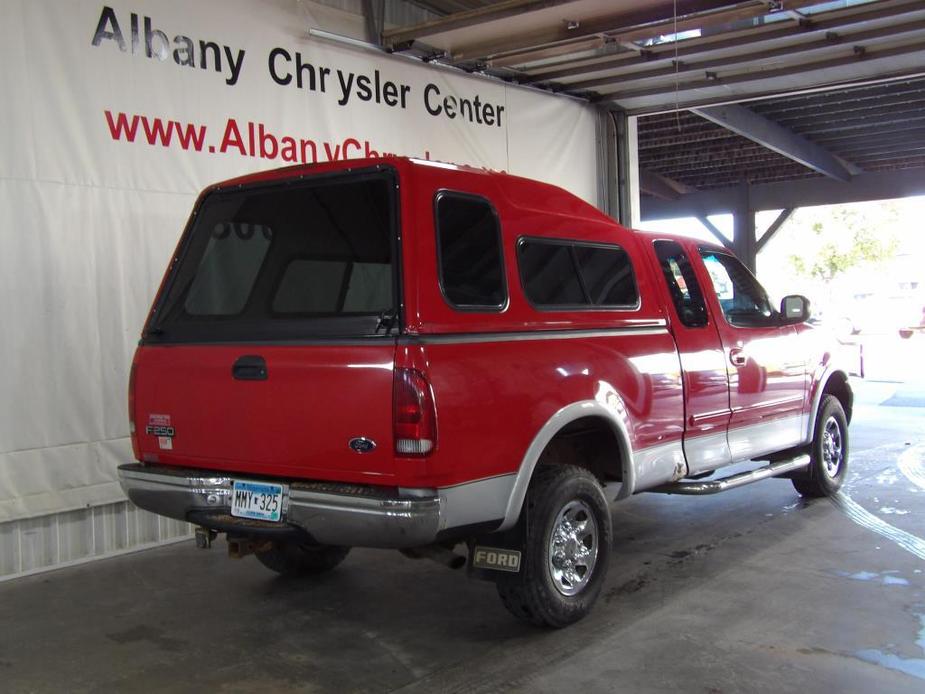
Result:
837,385
590,443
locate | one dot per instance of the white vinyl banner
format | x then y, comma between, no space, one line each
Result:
114,114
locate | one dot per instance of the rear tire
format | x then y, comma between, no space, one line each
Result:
290,559
829,452
566,548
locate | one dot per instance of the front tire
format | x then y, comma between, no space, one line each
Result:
566,548
291,559
829,454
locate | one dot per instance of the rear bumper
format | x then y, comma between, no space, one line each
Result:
330,513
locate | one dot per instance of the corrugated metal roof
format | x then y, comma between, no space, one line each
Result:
877,128
846,75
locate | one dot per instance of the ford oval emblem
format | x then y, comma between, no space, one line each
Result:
361,444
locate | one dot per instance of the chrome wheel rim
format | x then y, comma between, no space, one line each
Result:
833,451
573,548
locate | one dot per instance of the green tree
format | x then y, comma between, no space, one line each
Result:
844,238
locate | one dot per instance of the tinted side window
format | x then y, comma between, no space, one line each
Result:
564,273
682,284
469,249
549,274
607,275
743,300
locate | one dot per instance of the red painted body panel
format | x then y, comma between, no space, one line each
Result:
294,424
703,362
771,383
493,394
493,397
525,208
816,349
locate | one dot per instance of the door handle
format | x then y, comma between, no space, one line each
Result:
738,357
250,367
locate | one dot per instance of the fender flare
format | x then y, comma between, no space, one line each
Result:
566,415
827,374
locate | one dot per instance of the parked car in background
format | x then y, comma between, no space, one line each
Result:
914,326
875,312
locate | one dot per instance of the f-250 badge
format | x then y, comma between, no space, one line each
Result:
159,426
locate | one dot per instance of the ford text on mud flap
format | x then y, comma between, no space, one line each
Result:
496,558
416,355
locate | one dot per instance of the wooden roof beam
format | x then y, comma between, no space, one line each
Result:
623,27
392,38
713,229
775,226
802,193
851,55
824,43
831,20
767,133
661,186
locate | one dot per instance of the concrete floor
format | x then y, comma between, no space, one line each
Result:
754,590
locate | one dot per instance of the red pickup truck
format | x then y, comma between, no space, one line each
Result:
415,355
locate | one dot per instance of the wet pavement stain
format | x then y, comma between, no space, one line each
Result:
677,558
912,464
910,461
152,635
890,511
894,581
883,577
910,666
631,586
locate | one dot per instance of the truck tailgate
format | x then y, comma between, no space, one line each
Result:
296,422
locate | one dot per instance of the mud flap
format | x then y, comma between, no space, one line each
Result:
496,557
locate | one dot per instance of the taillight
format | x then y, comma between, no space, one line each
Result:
131,412
414,416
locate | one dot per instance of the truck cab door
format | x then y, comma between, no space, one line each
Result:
763,360
703,362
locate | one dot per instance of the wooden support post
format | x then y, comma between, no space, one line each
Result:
744,243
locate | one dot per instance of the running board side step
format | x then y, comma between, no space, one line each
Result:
740,480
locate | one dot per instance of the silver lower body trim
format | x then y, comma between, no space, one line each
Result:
476,502
707,452
770,436
658,464
332,514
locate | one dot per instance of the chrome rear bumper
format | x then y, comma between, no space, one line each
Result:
330,513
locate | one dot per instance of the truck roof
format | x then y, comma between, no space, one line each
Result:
520,192
525,194
679,238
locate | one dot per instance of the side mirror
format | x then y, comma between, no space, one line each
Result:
794,309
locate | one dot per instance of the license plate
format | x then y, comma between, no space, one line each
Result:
257,500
